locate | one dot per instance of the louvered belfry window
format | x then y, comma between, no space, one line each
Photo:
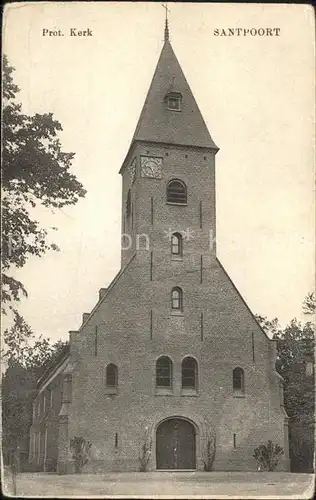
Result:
177,192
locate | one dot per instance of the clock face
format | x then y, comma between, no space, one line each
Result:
132,170
151,167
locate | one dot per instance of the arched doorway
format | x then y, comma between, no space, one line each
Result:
175,444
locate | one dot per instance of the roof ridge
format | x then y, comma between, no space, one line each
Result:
58,362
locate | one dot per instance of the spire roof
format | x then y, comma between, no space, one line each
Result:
157,123
166,30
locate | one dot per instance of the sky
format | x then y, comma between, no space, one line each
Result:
256,94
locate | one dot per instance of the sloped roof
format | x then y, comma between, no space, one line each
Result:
157,123
54,364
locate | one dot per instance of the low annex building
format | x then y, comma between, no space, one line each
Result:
170,361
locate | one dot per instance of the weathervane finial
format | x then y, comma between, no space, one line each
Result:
166,22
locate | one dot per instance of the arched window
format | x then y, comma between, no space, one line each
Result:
111,375
238,379
176,244
128,204
189,373
176,299
176,192
163,372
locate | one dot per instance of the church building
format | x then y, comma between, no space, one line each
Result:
170,370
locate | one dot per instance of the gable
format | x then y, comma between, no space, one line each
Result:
229,282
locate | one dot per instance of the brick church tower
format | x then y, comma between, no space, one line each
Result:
170,370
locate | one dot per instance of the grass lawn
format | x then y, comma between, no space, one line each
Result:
163,485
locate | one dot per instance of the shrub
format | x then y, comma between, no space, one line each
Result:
80,452
209,451
268,455
145,451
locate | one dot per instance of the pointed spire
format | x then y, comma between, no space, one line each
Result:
166,22
166,31
157,123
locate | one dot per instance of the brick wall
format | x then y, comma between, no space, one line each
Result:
45,425
133,326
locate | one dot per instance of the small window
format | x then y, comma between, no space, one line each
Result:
176,299
128,204
163,372
189,373
111,375
238,379
173,101
176,192
176,244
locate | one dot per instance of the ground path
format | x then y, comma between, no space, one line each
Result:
164,484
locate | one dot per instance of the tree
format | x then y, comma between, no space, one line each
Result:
27,357
309,304
295,352
209,448
24,349
35,171
272,327
295,357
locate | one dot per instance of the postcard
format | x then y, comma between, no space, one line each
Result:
158,250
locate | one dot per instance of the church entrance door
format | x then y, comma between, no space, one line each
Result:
175,445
